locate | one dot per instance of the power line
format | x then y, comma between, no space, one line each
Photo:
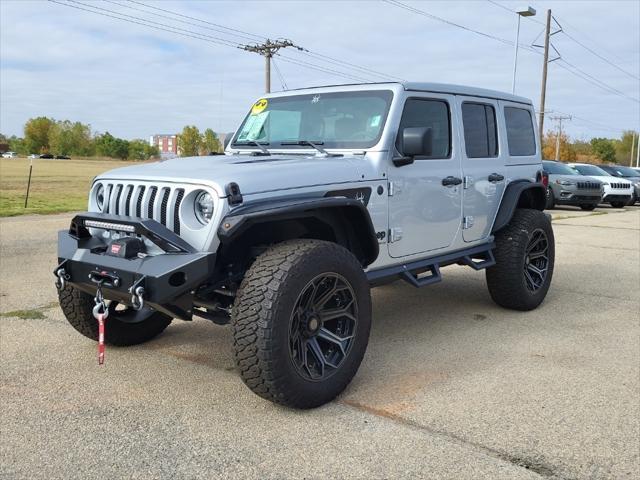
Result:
257,37
282,82
531,19
318,56
220,29
322,69
268,49
190,34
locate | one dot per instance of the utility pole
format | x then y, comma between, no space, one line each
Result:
633,143
547,36
268,49
559,118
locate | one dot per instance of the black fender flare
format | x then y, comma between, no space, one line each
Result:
519,194
355,212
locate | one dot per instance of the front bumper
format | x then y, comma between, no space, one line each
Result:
169,279
616,198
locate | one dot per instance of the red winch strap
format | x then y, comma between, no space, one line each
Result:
101,319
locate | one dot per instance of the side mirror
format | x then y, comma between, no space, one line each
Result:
416,142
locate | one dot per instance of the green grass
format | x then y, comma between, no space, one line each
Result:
56,185
25,314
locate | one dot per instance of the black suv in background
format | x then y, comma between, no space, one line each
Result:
627,173
568,187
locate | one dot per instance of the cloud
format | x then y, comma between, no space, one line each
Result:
134,81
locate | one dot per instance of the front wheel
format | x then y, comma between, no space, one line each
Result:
525,254
301,322
551,200
124,325
618,204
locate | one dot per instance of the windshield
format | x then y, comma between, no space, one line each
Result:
556,168
591,170
620,171
333,120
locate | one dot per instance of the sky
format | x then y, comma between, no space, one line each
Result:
135,81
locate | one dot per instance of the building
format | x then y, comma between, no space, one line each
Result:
166,143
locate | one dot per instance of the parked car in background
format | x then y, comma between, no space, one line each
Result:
627,173
62,157
34,155
46,155
9,155
568,187
637,170
617,191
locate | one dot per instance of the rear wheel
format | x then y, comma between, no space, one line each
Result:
588,207
525,254
124,325
301,322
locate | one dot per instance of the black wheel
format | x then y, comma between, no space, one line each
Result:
123,326
618,204
551,200
588,207
301,322
525,253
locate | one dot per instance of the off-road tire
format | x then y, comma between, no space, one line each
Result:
506,279
551,200
618,204
77,307
262,313
588,208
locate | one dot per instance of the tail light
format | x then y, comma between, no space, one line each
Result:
542,177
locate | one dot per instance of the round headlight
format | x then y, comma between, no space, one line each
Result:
204,207
100,197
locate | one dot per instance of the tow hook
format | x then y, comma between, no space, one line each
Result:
61,278
137,298
100,316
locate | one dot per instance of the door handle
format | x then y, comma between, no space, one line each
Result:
451,181
496,177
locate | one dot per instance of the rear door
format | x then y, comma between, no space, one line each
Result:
424,213
483,165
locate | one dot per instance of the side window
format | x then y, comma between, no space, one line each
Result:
520,136
480,132
428,113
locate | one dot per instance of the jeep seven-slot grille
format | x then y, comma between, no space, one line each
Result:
620,185
589,185
161,203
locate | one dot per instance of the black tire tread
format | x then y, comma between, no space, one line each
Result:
77,307
256,349
505,278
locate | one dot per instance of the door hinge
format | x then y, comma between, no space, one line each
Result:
467,181
467,222
395,234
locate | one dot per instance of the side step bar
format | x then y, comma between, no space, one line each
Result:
426,272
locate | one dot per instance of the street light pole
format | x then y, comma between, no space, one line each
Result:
529,12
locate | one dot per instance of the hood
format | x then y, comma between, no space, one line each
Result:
610,179
254,174
571,178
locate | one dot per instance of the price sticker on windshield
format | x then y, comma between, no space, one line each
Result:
259,106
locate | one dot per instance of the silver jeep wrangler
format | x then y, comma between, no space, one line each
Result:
321,194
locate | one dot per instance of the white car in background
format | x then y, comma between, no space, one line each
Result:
9,155
617,191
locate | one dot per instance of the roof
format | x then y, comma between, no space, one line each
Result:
463,90
436,88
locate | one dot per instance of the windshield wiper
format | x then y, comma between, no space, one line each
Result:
315,145
253,143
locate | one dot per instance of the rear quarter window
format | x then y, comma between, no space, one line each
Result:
520,135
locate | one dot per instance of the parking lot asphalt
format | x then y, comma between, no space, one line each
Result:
452,386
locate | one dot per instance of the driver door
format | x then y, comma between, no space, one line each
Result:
425,212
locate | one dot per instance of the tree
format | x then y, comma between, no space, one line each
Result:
67,138
151,151
16,144
109,146
603,149
567,152
623,146
36,134
189,141
210,142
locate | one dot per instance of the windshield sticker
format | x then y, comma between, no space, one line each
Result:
315,99
259,106
375,121
253,127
